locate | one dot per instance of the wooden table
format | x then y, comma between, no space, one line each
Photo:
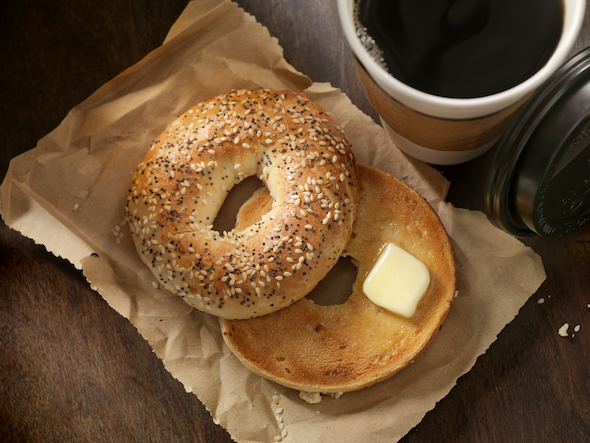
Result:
72,369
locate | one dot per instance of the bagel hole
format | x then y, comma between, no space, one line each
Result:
336,286
237,196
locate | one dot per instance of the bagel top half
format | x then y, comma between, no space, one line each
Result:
302,156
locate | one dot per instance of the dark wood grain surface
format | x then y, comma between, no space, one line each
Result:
73,370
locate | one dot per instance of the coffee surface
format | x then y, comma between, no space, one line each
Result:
463,48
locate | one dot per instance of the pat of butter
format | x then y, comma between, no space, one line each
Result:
398,281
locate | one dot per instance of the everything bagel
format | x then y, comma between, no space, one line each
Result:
302,156
345,347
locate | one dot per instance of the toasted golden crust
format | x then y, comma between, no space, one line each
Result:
349,346
297,149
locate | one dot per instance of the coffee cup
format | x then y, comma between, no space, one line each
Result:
447,130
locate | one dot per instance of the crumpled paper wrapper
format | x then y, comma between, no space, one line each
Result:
69,195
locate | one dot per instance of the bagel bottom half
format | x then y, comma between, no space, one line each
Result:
348,346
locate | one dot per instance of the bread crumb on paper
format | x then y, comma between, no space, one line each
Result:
315,397
278,411
310,397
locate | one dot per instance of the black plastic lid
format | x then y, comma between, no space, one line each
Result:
539,181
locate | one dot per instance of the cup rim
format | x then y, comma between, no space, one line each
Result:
463,108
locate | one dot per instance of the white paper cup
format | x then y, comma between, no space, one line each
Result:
443,130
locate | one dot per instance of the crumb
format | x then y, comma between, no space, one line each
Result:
75,208
563,330
541,301
155,284
337,394
275,398
577,328
310,397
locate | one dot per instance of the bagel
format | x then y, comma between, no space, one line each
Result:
345,347
302,156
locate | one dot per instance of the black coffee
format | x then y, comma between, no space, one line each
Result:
463,48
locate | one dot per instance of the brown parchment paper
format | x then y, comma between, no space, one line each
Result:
69,194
